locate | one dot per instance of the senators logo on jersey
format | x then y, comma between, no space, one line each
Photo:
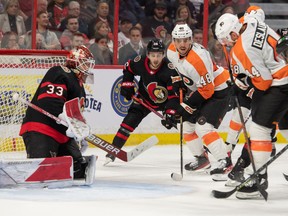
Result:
158,94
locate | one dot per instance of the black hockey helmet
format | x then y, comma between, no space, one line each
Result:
155,45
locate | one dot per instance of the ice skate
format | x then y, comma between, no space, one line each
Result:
220,173
251,191
236,176
109,158
201,163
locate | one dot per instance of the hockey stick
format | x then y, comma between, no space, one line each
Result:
285,176
176,176
97,141
261,190
226,194
150,108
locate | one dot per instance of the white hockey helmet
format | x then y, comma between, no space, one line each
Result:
226,24
182,31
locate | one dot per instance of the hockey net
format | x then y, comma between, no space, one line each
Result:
20,72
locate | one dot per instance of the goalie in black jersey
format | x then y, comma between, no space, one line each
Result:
155,89
43,136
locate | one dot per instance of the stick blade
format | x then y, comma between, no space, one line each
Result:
222,194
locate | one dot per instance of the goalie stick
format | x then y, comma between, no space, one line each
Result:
95,140
223,194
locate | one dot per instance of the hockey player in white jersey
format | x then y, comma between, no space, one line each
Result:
205,104
254,55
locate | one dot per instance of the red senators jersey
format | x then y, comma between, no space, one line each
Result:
255,55
58,85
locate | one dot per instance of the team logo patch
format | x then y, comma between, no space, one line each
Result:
137,58
171,66
65,69
118,102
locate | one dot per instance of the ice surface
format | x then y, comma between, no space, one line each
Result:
143,187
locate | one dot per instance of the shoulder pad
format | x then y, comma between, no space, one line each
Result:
137,58
66,69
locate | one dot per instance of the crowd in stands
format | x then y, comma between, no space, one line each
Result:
64,24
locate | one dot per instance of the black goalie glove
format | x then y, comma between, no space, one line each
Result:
170,119
127,90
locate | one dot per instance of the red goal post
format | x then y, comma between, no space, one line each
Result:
21,72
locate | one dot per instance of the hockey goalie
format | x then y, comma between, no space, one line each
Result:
54,150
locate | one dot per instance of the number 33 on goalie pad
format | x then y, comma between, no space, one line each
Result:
57,171
77,127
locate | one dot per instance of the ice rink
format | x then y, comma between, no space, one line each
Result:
143,187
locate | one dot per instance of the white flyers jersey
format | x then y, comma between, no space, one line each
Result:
196,69
255,55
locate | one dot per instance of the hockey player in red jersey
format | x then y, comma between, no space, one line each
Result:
43,136
205,106
155,89
254,55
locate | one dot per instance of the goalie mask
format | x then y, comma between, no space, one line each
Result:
81,59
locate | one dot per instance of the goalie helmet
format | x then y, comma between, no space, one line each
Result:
181,31
80,59
155,45
226,24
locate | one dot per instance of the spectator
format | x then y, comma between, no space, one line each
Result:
198,36
102,10
162,34
123,35
71,28
49,39
41,6
189,4
103,29
10,20
239,6
129,9
133,48
151,23
149,6
87,10
77,40
57,10
74,10
217,53
10,41
183,12
100,50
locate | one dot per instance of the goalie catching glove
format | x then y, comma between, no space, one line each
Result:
127,90
170,119
76,129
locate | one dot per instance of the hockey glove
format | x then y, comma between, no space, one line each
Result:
83,146
170,119
177,84
127,90
241,83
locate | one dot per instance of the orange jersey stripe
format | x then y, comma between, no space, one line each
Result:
210,137
264,146
221,78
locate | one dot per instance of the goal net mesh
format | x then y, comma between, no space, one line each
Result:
20,74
